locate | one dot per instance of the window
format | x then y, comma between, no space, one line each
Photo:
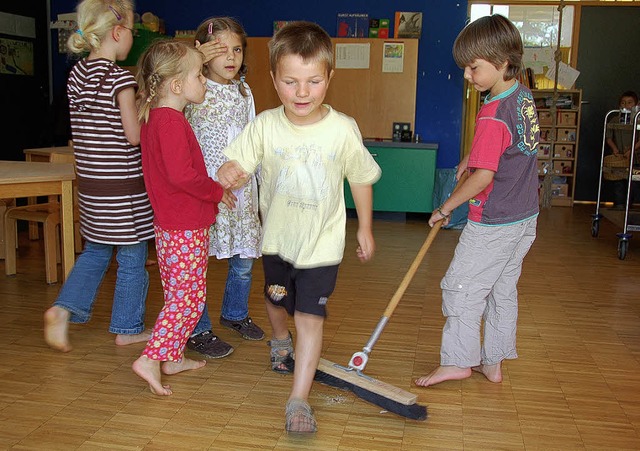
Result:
538,24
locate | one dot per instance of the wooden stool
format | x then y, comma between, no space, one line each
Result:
49,215
59,154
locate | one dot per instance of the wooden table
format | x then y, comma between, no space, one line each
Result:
27,179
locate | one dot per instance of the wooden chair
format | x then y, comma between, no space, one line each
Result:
46,213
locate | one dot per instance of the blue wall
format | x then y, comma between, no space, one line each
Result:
440,82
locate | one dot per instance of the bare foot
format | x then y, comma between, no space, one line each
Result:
124,339
443,373
183,365
56,328
149,370
491,372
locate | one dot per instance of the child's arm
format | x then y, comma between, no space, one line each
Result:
129,115
174,152
475,183
613,146
462,166
231,175
363,200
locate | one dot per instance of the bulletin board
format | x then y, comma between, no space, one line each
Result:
375,99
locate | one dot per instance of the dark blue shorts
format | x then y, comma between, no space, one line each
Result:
304,290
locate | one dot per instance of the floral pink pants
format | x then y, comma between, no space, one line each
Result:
182,260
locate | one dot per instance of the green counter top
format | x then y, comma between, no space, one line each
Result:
400,144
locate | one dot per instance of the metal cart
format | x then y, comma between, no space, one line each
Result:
631,222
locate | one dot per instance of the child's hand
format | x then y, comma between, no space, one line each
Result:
241,182
437,216
229,199
230,174
211,49
366,245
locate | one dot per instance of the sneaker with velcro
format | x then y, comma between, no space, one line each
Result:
209,345
245,327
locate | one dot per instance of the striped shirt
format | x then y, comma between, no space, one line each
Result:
114,207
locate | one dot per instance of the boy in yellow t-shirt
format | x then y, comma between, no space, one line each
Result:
305,149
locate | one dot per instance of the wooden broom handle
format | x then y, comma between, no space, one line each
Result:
393,303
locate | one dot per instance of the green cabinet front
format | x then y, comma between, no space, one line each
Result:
407,180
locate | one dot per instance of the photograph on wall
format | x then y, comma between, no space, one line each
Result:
407,25
16,57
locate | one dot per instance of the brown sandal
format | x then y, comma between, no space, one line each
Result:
278,359
299,417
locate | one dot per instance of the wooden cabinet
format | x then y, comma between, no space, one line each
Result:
558,150
374,98
408,176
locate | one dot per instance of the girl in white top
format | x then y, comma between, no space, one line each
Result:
228,107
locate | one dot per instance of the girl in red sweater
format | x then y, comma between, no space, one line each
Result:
184,201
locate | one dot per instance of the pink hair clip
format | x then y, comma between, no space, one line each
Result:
115,13
210,28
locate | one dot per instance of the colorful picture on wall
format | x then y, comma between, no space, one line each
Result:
278,24
393,57
16,57
352,25
407,25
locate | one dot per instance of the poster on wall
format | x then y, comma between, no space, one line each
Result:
16,57
567,75
352,25
393,57
537,58
352,56
407,25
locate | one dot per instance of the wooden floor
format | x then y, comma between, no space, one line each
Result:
576,384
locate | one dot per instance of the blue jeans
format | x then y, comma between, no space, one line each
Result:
79,292
235,303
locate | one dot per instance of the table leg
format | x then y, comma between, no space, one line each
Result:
66,228
4,203
33,226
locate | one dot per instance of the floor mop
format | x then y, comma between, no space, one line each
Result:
352,378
